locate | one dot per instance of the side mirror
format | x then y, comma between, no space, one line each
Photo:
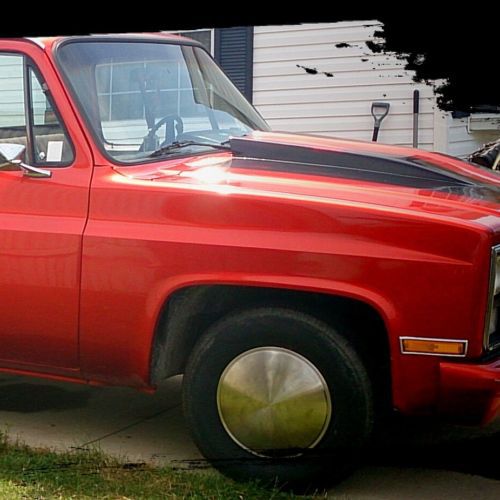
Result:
11,156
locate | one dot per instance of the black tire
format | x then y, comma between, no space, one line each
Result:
351,422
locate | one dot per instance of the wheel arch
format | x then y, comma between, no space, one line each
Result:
191,310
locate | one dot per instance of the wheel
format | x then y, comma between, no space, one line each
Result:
276,395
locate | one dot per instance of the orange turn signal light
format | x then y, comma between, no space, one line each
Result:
436,347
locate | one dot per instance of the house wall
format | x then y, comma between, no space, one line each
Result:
334,96
461,142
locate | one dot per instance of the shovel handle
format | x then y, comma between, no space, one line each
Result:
379,112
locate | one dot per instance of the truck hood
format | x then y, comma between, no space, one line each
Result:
340,171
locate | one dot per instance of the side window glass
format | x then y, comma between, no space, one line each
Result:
51,145
28,116
12,112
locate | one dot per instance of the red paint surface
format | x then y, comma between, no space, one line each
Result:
471,390
90,256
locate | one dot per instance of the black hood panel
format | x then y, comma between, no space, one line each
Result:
385,169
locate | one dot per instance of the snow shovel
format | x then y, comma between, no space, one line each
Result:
379,112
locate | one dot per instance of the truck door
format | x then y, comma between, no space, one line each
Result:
41,219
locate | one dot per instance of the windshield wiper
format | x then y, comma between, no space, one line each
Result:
175,146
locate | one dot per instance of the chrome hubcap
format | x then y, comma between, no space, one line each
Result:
273,401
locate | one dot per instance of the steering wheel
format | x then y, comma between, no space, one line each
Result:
174,126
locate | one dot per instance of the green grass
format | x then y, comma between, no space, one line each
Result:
39,474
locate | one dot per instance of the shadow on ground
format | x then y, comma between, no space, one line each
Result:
405,442
31,398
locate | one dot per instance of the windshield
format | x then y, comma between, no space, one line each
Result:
139,98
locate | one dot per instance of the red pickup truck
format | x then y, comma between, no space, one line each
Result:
152,225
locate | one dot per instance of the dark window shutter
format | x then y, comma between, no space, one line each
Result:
233,50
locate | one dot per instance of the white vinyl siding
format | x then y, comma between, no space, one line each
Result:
291,99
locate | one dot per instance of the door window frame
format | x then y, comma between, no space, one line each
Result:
29,64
